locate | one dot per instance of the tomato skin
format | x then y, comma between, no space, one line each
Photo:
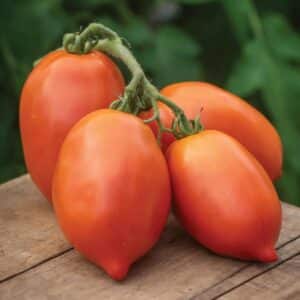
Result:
109,200
60,90
223,197
223,111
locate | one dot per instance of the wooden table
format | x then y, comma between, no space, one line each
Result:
36,262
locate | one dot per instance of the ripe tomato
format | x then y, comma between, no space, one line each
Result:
223,111
60,90
223,197
111,191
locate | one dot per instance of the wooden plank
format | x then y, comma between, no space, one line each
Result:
172,269
28,231
280,283
177,268
249,272
290,233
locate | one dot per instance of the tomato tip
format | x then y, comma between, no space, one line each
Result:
268,255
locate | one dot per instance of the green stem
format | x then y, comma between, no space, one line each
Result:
139,94
116,49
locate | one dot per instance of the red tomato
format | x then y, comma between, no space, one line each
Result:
111,189
60,90
223,111
223,197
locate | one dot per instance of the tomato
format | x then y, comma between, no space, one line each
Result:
111,189
223,197
223,111
60,90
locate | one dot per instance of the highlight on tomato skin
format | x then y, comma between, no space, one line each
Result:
108,198
223,111
223,197
59,91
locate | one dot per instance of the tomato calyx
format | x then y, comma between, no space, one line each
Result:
140,94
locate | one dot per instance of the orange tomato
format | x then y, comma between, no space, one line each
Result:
60,90
223,111
223,197
111,189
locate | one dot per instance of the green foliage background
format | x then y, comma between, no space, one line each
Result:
249,47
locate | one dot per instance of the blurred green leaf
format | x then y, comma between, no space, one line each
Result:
237,13
138,32
87,3
195,1
174,56
275,80
284,42
247,75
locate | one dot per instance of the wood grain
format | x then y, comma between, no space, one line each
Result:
250,272
177,268
281,283
288,246
174,269
28,231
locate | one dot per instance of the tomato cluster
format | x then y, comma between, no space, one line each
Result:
98,161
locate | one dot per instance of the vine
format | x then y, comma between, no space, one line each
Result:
140,94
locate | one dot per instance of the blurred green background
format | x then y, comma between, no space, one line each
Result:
249,47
